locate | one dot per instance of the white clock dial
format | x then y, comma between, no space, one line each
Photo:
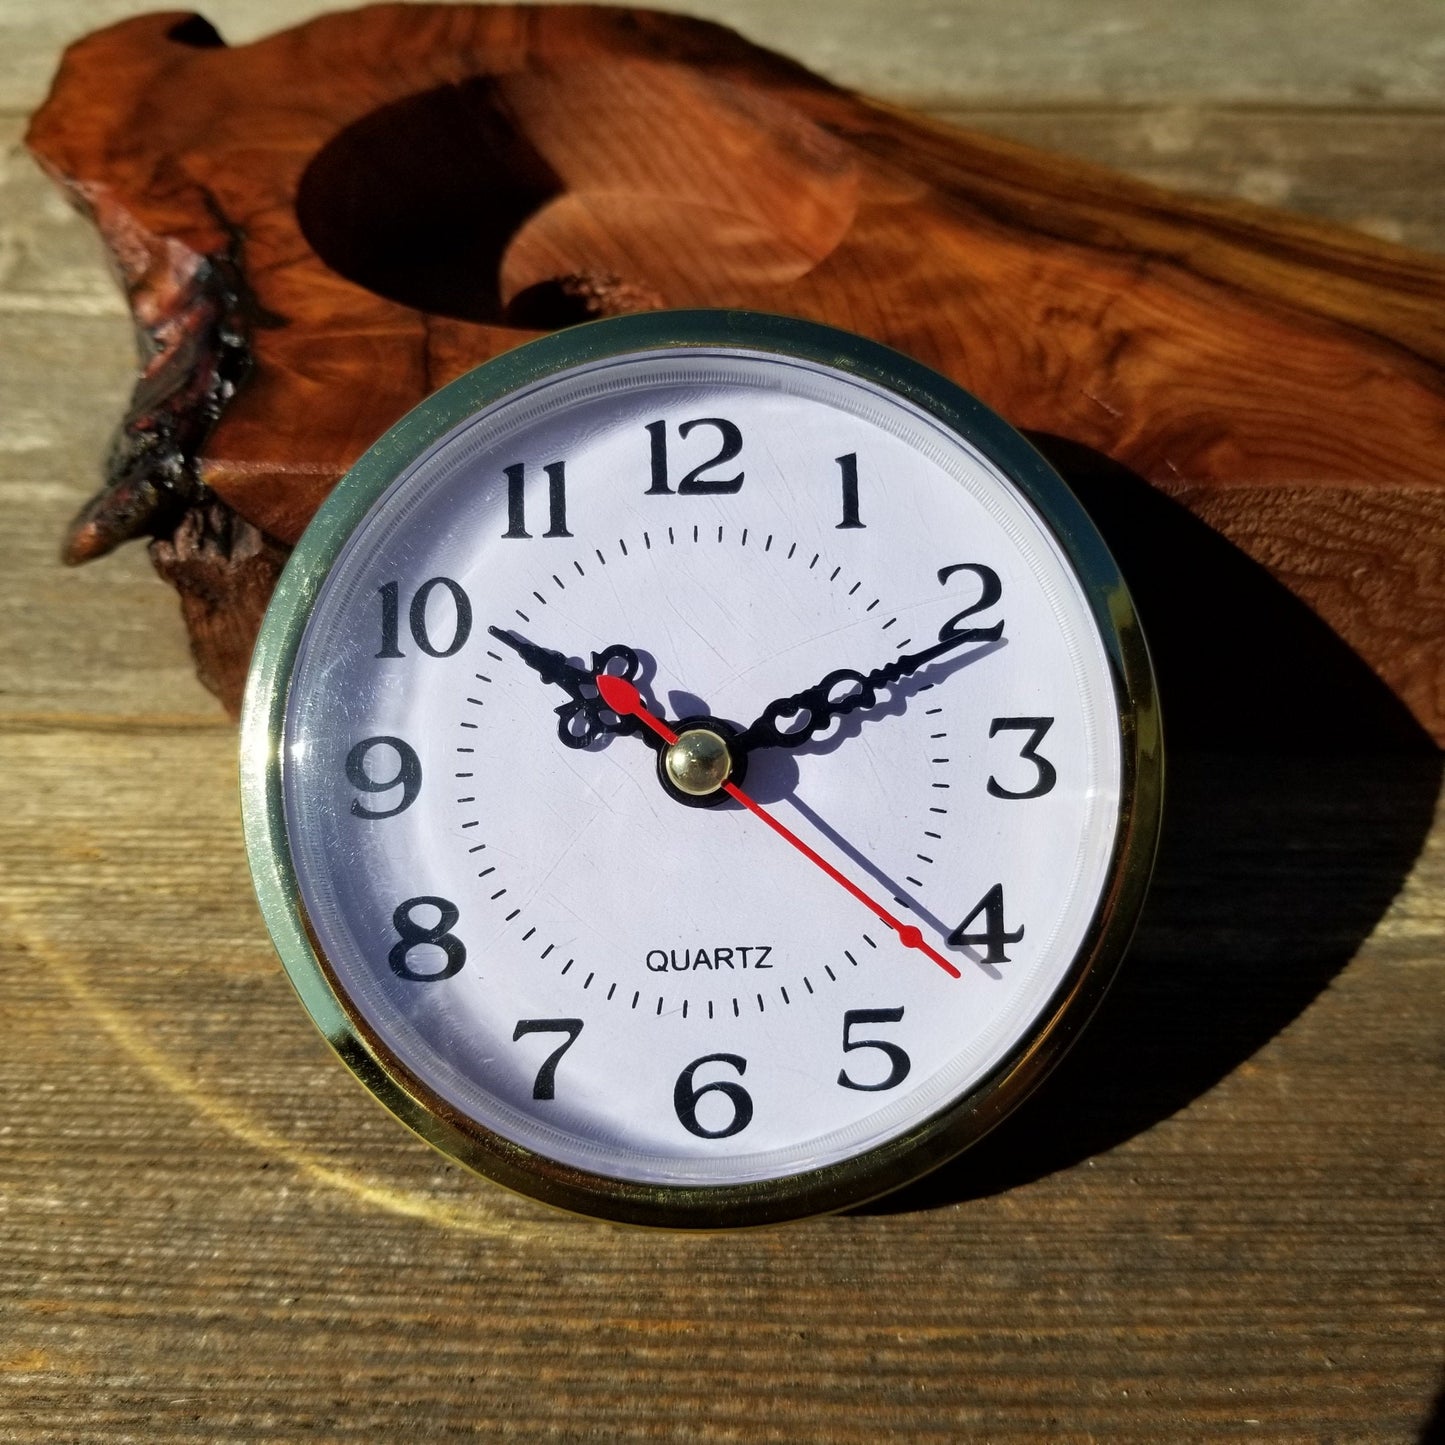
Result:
860,908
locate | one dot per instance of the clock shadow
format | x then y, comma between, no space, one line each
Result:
1298,794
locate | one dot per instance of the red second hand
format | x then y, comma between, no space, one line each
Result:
624,699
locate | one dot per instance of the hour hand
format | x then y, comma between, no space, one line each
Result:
550,666
586,717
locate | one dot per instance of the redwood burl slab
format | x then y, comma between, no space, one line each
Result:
317,230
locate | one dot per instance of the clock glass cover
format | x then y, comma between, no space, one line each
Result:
700,767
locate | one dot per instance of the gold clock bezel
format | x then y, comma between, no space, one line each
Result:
930,1142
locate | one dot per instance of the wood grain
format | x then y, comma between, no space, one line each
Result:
212,1233
64,370
450,191
938,53
1375,169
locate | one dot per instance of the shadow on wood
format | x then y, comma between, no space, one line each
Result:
1298,794
1433,1430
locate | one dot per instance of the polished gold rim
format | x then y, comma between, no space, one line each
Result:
838,1186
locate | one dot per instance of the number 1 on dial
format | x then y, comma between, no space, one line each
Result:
849,467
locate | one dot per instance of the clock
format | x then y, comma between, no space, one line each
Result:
701,769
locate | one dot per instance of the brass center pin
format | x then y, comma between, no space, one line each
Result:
698,763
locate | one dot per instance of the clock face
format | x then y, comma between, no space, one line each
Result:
696,778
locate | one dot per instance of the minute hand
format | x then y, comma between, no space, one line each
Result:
821,707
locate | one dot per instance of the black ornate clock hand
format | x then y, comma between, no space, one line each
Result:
587,716
549,665
818,703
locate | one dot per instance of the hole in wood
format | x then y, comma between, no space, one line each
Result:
419,200
567,300
541,199
197,32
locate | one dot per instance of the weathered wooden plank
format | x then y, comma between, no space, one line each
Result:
211,1233
93,642
54,662
98,642
1381,172
938,52
48,261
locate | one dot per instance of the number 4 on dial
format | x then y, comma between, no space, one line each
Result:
994,936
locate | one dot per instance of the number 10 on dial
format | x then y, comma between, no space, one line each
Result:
699,768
